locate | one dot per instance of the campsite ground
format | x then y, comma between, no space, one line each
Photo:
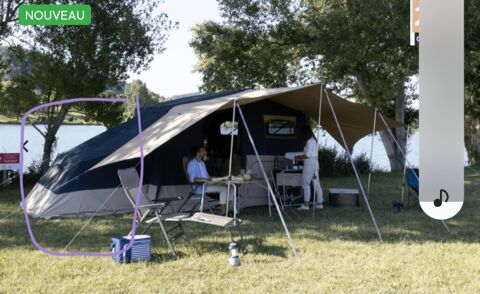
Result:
338,248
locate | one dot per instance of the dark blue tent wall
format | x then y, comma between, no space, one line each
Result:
267,145
69,171
163,166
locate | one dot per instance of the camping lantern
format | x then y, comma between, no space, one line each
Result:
234,259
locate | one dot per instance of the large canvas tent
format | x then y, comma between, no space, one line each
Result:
83,180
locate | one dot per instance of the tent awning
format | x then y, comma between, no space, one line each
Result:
355,120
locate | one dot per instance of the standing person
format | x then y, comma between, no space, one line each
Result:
198,174
310,172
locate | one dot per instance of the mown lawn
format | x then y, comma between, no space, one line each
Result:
338,248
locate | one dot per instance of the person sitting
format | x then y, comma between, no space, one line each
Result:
198,174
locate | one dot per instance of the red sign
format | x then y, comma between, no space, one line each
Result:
9,158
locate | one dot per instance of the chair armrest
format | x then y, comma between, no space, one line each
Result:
153,205
168,199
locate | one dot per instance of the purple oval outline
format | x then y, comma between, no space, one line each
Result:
22,192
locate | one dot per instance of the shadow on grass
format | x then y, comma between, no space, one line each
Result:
329,224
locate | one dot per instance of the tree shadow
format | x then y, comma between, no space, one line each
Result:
329,224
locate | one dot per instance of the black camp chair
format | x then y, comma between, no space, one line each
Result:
211,200
152,213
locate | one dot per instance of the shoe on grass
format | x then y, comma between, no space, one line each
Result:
303,207
319,206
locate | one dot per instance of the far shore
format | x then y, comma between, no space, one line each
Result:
43,123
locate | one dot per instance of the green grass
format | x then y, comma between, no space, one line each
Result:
338,248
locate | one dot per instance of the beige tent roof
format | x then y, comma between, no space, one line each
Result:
356,120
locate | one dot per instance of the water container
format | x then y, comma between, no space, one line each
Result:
234,259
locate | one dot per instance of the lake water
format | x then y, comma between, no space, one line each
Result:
70,136
379,155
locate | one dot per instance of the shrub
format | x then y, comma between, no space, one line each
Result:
343,166
32,174
362,162
333,163
326,160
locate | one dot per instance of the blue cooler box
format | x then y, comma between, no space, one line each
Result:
140,250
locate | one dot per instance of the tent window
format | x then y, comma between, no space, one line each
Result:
280,126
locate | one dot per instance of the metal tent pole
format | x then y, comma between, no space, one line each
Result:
371,151
317,172
405,171
270,190
404,156
230,161
380,239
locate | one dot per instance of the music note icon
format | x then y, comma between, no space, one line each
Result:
438,202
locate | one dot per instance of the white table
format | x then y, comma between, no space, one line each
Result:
235,183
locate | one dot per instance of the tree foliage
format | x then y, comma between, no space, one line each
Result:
147,97
84,61
9,16
472,79
276,43
358,48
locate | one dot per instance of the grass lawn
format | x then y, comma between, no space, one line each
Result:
338,248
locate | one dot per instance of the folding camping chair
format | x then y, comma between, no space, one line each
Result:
210,201
152,213
413,184
211,198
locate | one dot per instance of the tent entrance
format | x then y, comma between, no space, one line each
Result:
218,144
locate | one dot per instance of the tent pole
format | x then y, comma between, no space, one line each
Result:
270,190
380,239
371,151
316,174
404,169
229,184
405,156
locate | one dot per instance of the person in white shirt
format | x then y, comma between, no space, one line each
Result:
310,173
198,174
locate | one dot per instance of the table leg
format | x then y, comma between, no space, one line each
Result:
284,195
269,203
234,201
203,196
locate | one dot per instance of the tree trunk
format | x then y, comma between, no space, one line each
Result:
395,156
50,137
472,139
